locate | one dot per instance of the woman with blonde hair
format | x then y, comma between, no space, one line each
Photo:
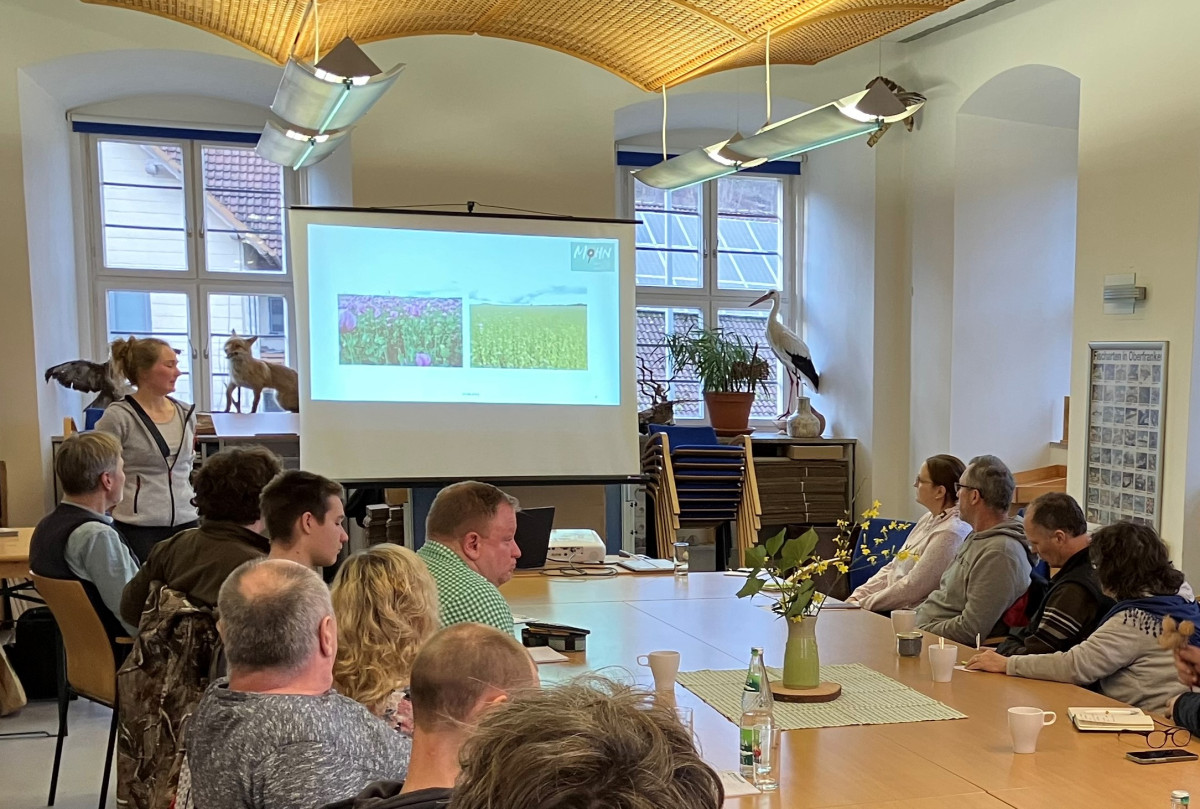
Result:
386,606
157,435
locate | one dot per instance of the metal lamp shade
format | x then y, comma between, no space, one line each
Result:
801,133
690,168
313,98
297,152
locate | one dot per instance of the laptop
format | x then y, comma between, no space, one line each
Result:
533,536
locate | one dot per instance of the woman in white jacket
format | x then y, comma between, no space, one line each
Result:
157,435
1122,657
914,572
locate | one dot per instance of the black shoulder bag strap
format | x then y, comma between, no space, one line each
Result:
150,426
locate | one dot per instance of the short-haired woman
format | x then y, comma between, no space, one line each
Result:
157,435
917,567
386,607
196,561
1123,655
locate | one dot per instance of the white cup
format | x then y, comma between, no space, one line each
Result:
904,621
941,661
664,666
1025,724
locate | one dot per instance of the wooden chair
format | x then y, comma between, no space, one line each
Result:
91,666
698,482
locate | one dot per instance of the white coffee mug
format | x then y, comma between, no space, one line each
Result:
904,621
664,666
941,661
1025,724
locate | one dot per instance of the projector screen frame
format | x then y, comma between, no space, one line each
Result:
626,401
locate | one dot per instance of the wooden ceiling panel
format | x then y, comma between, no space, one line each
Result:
647,42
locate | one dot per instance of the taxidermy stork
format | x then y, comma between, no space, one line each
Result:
90,377
790,349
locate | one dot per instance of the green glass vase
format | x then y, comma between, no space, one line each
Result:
801,662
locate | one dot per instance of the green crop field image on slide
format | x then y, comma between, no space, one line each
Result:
529,336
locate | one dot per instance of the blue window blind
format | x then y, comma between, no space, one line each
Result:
137,131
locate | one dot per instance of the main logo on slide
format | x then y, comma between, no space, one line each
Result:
593,256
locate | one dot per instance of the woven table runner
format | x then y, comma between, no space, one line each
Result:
868,698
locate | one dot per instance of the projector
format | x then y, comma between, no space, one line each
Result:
579,545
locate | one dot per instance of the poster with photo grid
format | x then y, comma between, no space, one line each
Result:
1127,394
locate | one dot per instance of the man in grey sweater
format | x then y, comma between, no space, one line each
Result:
991,570
275,735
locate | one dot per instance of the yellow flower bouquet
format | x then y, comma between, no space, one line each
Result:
787,570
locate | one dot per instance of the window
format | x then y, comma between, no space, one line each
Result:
188,246
704,254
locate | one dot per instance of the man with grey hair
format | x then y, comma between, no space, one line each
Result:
991,570
275,735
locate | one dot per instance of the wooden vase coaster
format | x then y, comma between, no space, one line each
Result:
825,692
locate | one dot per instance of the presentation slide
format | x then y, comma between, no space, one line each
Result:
444,346
444,316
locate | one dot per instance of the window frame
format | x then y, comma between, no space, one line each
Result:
197,282
709,298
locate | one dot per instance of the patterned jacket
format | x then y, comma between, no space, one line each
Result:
176,654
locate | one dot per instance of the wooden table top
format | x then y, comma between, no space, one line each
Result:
921,765
14,554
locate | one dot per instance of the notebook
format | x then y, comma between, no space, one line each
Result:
1110,719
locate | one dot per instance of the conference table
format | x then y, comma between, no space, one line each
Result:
949,764
14,567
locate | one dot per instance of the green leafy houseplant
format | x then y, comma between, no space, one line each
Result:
724,363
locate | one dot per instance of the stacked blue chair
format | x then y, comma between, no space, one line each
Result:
693,480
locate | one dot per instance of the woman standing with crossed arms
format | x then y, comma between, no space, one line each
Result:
157,435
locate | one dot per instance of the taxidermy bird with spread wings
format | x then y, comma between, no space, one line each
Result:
905,97
90,377
790,349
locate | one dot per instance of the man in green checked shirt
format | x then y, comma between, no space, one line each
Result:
470,549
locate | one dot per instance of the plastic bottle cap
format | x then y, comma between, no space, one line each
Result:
1181,793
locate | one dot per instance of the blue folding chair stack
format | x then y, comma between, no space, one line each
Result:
696,481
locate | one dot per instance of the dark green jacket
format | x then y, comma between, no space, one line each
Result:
195,562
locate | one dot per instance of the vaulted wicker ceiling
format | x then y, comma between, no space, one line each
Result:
650,43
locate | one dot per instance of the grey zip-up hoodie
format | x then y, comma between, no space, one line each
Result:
157,492
989,573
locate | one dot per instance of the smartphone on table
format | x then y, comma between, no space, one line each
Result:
1160,756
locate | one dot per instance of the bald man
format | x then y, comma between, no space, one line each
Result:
275,735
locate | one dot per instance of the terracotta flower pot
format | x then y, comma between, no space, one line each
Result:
729,413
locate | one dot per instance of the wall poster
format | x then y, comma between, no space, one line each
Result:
1127,394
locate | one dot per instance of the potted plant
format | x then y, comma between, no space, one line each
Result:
729,368
787,570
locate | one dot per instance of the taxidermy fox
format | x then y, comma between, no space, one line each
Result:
247,372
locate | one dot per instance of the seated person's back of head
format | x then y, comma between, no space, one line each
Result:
77,540
197,561
385,602
463,672
582,745
275,736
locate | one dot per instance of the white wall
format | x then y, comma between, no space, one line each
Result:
839,293
1014,273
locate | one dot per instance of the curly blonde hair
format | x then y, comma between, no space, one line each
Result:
386,606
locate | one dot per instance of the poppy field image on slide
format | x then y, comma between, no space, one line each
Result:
529,336
389,330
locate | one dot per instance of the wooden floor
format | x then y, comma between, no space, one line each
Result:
923,765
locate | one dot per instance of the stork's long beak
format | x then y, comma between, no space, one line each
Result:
760,300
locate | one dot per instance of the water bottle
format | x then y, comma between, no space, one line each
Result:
1180,799
757,726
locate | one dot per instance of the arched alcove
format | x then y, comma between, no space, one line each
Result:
1015,192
